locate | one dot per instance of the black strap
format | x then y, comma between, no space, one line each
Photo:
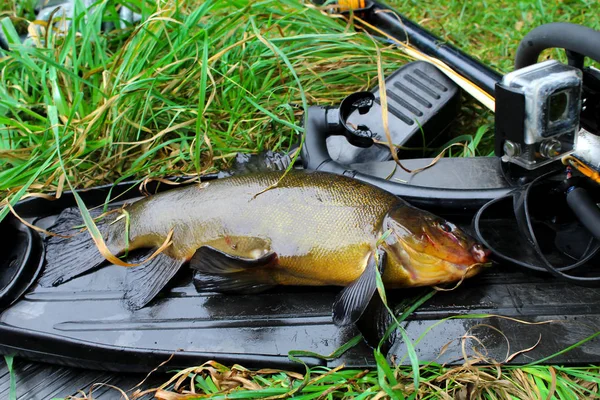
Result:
523,217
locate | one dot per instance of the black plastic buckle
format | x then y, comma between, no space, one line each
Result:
361,135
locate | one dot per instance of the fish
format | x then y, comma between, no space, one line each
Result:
250,233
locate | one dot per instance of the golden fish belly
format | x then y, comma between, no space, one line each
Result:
323,268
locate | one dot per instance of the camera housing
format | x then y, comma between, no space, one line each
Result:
537,113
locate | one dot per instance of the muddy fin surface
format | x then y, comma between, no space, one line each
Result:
217,271
67,258
351,303
145,281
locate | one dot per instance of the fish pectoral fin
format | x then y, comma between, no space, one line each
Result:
217,271
144,282
209,260
351,303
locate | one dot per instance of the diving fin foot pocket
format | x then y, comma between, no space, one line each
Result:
422,103
374,323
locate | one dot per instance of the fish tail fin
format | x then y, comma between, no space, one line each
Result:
144,282
69,257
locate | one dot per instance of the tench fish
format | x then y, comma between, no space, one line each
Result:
313,228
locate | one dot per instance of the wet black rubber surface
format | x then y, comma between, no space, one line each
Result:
39,381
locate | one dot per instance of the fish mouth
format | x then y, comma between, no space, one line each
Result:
480,254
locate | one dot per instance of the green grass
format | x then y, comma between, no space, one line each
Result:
491,30
219,382
197,82
142,103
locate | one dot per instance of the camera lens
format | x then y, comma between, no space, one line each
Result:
557,109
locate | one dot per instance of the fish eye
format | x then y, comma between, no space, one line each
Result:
446,227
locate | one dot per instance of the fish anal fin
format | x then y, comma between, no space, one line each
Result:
218,271
351,303
144,282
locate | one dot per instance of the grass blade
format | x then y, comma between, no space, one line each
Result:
12,392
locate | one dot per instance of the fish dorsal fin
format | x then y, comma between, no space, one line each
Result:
144,282
351,303
209,260
218,271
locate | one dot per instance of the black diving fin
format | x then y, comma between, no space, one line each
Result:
83,322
